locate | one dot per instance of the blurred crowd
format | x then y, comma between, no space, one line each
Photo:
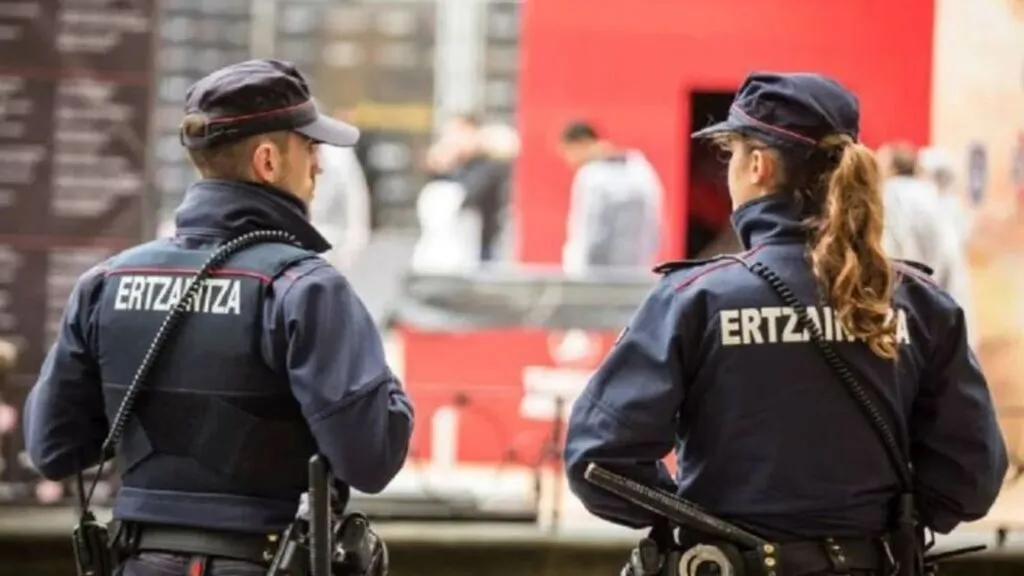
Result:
464,210
615,220
926,217
615,214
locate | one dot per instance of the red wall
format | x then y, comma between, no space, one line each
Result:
630,65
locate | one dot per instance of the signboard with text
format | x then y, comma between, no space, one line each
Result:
75,100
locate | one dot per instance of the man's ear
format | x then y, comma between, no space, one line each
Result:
265,162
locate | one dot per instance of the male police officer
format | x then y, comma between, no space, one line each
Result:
276,360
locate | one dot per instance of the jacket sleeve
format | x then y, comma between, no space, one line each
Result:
322,336
65,422
958,451
625,420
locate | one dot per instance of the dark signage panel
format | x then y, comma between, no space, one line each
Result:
75,100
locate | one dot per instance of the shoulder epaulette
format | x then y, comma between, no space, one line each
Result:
671,266
917,266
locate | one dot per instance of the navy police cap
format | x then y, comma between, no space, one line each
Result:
790,109
256,97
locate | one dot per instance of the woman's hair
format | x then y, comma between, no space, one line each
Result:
839,187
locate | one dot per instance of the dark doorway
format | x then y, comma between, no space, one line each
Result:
708,229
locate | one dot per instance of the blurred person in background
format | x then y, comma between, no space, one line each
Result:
918,229
484,178
615,204
8,355
937,166
340,209
449,241
165,228
500,143
8,413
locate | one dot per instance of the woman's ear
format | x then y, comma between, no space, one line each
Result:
762,168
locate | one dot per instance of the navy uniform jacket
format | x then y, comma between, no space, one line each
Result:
713,366
356,409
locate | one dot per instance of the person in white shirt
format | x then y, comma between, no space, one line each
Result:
340,209
937,166
449,241
916,227
615,206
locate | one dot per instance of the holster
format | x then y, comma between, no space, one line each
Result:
362,551
358,550
907,540
660,554
91,543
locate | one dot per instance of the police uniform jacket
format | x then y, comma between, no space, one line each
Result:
277,359
713,366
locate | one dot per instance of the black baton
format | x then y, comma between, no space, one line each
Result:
320,545
669,506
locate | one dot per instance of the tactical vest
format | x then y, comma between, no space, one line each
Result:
213,418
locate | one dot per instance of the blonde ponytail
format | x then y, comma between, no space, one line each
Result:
846,253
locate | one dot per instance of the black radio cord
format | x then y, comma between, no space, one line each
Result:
860,395
171,322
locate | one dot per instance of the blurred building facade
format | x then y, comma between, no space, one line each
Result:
93,161
397,67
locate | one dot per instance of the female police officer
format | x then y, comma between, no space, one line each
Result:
714,365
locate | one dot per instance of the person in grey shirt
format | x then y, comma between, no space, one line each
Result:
938,166
615,208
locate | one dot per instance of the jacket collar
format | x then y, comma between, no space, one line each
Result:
229,209
771,219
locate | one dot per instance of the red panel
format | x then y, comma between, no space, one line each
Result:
482,374
629,66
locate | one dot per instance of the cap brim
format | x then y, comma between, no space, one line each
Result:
327,130
719,128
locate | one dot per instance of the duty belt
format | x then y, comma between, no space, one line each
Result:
832,555
255,548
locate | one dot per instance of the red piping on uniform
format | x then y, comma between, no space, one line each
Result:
771,128
722,264
222,272
910,270
224,119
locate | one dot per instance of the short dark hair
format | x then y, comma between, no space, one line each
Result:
579,131
903,160
228,160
